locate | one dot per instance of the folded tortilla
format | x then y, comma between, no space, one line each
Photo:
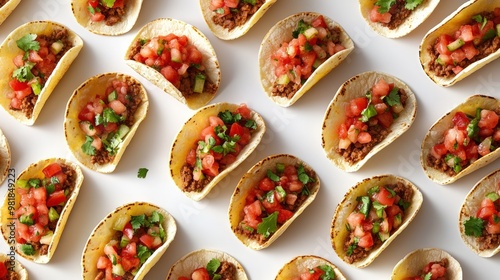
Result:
103,233
18,267
6,9
9,50
339,233
413,263
35,171
249,180
165,26
435,135
189,135
75,137
302,264
355,87
4,157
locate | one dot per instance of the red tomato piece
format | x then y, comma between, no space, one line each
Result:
384,197
130,263
284,215
266,184
52,169
103,262
357,105
56,198
366,241
460,120
16,85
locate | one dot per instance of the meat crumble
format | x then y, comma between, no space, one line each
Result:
237,16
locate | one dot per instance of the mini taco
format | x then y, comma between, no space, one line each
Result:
33,58
462,43
44,194
155,53
394,19
10,268
368,112
229,20
269,197
371,215
207,264
479,216
6,7
106,17
309,267
128,242
417,265
213,142
4,157
297,52
463,140
102,117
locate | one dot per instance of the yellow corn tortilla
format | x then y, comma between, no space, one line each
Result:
417,17
189,135
9,50
4,157
339,233
449,25
435,135
18,267
470,207
357,86
413,263
196,259
302,264
282,32
35,171
82,16
6,9
224,33
103,233
165,26
75,137
249,180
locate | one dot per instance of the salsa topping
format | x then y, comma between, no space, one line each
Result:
214,270
433,270
110,11
323,272
392,13
233,13
312,44
6,270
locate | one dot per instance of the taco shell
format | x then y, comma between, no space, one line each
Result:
282,32
436,135
103,232
9,50
75,137
196,259
302,264
250,179
224,33
165,26
4,157
82,16
413,263
417,17
357,86
18,267
449,25
339,232
189,135
7,8
471,206
35,171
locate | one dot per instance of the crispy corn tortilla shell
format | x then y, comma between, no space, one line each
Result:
18,267
417,17
302,264
413,263
7,9
282,32
339,233
435,135
196,259
5,157
471,206
165,26
249,180
224,33
357,86
82,16
189,135
35,171
449,25
9,50
103,233
75,137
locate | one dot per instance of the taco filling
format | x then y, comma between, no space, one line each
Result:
3,2
323,272
107,118
377,215
7,272
233,13
432,271
470,138
42,201
392,13
471,42
312,44
109,11
274,200
38,57
368,120
215,269
177,60
135,240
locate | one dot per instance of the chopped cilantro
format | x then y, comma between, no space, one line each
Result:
251,124
308,47
138,221
428,276
480,19
384,5
454,162
268,225
474,226
272,176
28,43
392,193
365,205
34,182
303,177
143,253
301,27
23,73
228,118
87,146
352,247
251,2
473,127
329,272
155,218
305,191
379,208
368,113
212,266
373,190
27,249
404,204
108,3
412,4
393,97
142,172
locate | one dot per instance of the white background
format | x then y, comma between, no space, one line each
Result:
295,130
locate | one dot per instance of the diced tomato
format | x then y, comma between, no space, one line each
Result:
489,119
376,16
171,75
284,215
442,44
97,16
457,56
470,50
439,150
355,219
119,4
385,119
183,278
86,115
16,85
460,120
253,210
191,157
266,184
244,111
36,232
56,198
21,94
103,262
52,169
493,227
213,170
319,22
273,206
357,105
208,132
366,241
128,231
130,263
215,121
466,33
147,240
364,137
242,132
200,274
384,197
393,210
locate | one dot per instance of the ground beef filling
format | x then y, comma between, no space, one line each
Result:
11,274
191,185
3,2
113,15
399,14
227,271
187,83
238,16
